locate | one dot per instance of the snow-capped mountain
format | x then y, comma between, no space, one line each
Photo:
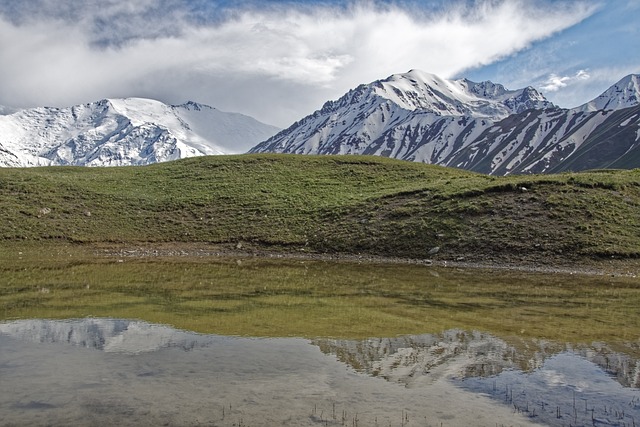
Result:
624,94
395,116
478,126
417,90
119,132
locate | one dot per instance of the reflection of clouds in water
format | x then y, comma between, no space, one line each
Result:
553,378
567,387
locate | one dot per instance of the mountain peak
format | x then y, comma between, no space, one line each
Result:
194,106
625,93
420,90
417,90
631,81
486,89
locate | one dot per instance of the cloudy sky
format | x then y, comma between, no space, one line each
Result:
279,60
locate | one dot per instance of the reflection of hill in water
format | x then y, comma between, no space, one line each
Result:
412,360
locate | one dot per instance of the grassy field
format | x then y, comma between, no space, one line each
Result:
347,205
65,234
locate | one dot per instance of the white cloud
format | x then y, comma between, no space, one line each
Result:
583,90
555,82
276,63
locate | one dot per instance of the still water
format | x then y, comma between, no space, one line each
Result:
121,372
381,346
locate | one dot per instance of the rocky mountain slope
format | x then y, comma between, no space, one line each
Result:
120,132
477,126
555,140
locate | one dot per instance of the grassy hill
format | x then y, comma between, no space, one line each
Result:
345,204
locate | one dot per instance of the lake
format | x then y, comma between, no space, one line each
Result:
232,342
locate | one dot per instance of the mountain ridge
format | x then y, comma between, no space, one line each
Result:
625,93
415,116
482,127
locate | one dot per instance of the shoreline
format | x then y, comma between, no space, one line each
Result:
554,265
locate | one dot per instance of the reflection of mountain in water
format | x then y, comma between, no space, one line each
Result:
624,367
109,335
409,360
413,360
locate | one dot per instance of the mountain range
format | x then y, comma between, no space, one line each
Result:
415,116
121,132
481,127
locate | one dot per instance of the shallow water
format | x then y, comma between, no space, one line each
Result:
410,346
120,372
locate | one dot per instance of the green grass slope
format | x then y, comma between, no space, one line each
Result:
342,204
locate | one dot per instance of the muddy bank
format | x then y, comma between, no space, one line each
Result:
540,264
